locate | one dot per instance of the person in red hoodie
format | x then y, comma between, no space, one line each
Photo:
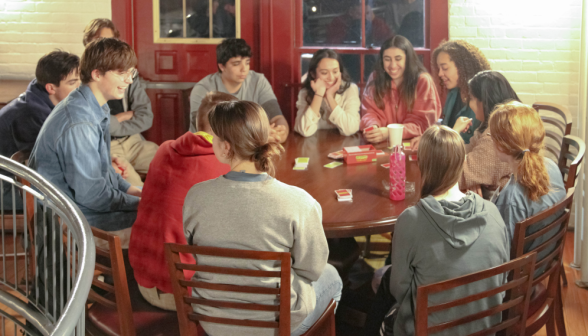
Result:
177,166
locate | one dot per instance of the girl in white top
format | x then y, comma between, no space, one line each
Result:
328,99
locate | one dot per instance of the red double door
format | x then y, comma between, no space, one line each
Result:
171,69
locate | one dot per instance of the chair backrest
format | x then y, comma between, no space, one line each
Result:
555,244
22,158
113,266
513,308
569,161
189,320
558,123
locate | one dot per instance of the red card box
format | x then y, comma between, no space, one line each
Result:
360,154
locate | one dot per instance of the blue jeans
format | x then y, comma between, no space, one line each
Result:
7,198
328,286
111,221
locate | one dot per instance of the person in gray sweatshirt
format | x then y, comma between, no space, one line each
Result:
447,234
248,209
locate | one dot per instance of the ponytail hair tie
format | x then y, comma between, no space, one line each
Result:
525,150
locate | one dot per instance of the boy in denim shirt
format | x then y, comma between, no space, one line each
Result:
72,150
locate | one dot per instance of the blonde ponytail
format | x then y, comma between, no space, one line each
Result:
517,130
532,174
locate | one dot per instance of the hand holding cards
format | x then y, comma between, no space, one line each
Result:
369,129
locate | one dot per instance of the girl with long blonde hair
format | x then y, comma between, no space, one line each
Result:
537,183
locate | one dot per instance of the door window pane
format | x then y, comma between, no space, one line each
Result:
338,22
385,18
223,18
331,23
188,21
171,18
224,24
197,22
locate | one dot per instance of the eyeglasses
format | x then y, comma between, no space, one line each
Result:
123,75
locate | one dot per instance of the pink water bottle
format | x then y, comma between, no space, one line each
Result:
397,173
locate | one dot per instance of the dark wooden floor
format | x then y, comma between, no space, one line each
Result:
358,298
575,300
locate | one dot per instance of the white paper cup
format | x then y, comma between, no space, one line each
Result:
395,135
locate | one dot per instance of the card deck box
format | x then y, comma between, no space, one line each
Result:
360,154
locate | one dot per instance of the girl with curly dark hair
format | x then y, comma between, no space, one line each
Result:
399,91
327,99
456,62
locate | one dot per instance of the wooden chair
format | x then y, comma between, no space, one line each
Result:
558,123
546,306
513,308
568,165
122,310
117,298
189,320
569,160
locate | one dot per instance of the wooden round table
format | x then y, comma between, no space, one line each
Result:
371,211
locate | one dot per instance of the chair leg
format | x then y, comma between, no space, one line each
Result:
332,327
560,322
564,278
550,327
366,250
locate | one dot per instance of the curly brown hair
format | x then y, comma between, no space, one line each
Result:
468,59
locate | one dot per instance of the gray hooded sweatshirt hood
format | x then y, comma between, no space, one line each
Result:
439,240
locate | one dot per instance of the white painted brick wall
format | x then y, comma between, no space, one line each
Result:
31,28
534,43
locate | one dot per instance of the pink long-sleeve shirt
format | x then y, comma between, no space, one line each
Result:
425,112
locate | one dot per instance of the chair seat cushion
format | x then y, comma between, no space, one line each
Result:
148,320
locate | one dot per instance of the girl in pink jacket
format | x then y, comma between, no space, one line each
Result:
399,91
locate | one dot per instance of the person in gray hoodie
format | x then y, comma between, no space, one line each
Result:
447,234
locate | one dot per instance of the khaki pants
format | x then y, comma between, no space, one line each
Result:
158,298
137,152
124,235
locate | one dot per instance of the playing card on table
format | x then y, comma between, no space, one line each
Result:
301,163
333,164
412,157
344,195
385,165
336,155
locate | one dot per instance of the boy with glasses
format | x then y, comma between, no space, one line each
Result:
73,147
130,116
